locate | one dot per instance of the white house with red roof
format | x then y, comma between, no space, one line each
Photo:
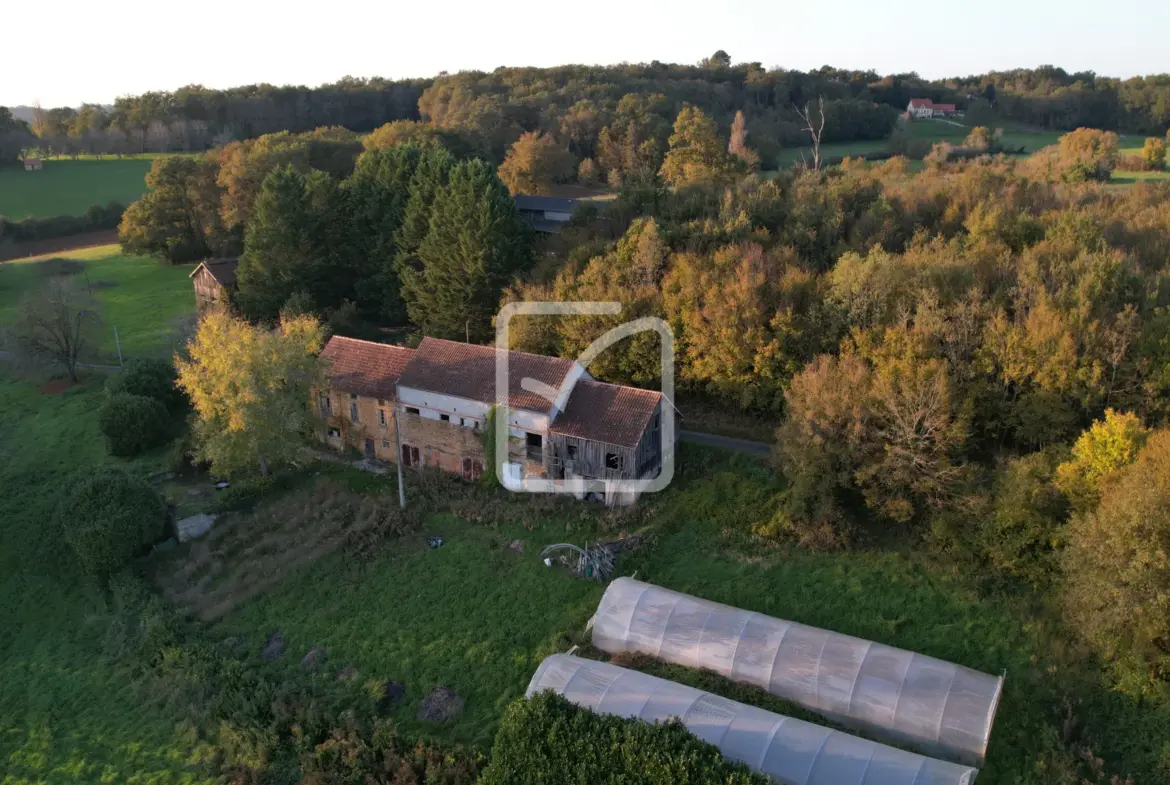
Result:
924,107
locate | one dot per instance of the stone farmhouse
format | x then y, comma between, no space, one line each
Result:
429,406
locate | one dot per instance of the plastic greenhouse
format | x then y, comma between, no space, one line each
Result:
935,707
788,750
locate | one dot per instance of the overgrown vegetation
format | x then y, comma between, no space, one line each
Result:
545,739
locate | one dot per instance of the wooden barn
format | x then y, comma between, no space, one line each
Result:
214,280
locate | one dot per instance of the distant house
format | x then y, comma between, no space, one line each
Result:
924,107
214,280
440,395
545,213
32,164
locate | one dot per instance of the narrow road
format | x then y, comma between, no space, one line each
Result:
762,449
8,356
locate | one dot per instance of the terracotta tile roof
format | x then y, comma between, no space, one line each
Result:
608,413
364,367
918,103
468,371
222,270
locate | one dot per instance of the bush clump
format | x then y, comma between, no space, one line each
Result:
546,739
152,378
107,517
133,424
1117,570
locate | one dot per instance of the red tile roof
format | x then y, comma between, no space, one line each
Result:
364,367
917,103
468,371
608,413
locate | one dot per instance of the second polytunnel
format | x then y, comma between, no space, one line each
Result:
935,707
788,750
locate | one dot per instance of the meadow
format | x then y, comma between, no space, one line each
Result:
931,130
69,187
145,300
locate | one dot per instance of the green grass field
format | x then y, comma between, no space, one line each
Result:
67,187
931,131
140,296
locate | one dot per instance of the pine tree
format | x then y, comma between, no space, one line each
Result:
374,201
434,166
286,245
476,244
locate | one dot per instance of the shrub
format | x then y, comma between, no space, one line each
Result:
351,756
547,739
1108,446
1154,154
133,424
1022,536
1117,569
152,378
107,517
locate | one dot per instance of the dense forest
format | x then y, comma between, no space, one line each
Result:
489,111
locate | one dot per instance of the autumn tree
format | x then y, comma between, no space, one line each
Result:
250,388
57,324
534,162
741,311
1154,154
1023,536
979,138
476,243
1117,569
587,172
1087,154
737,144
401,132
580,125
696,154
1099,454
178,218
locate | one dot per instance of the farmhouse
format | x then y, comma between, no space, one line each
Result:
32,164
562,424
214,281
545,213
924,107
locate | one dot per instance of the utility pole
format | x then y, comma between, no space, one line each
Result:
398,457
118,343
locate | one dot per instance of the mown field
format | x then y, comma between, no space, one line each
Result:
68,187
479,613
142,298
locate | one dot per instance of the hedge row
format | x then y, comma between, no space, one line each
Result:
96,219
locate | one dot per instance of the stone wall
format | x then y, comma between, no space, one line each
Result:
442,444
369,425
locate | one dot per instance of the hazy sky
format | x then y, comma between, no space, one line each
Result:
88,52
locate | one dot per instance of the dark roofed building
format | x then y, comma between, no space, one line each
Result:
468,371
214,280
545,213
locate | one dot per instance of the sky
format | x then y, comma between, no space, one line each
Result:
124,47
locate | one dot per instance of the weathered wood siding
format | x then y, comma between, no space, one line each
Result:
208,292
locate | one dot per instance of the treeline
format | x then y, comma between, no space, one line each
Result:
360,241
1050,97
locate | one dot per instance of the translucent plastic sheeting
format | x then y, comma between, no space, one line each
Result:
938,708
787,750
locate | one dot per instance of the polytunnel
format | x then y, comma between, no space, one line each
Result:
938,708
788,750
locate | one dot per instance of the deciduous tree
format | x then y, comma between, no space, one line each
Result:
1099,454
178,218
250,388
58,324
534,162
696,154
